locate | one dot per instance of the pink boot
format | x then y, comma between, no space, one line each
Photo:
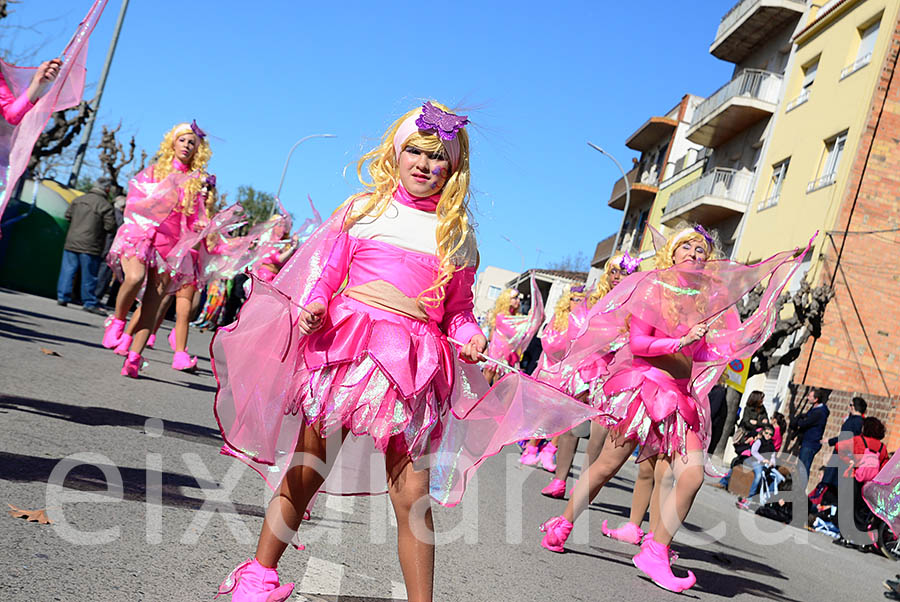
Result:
124,345
548,457
629,533
113,333
557,531
132,364
171,339
252,582
556,488
530,455
673,555
183,362
151,341
653,561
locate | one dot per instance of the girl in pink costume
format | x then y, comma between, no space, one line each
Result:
501,328
164,204
374,295
674,330
584,382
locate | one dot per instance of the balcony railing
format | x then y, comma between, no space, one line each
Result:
750,83
739,10
801,98
826,180
722,183
856,65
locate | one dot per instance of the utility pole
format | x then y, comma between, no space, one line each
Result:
95,104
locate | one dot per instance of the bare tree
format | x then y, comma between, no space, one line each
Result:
113,157
61,132
572,263
787,339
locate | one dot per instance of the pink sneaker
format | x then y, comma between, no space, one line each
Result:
151,341
530,455
557,531
548,457
113,333
183,362
132,364
252,582
556,488
171,339
629,533
124,345
653,561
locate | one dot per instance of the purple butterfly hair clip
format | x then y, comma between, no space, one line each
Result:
445,124
196,129
211,180
706,235
577,289
629,264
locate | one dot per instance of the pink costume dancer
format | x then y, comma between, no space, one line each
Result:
511,333
585,381
164,204
29,95
675,329
372,371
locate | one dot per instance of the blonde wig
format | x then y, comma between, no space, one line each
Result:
453,230
563,309
501,307
166,154
603,285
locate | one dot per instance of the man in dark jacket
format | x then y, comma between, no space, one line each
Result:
811,426
852,426
105,274
90,217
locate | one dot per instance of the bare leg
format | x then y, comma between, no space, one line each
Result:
565,453
596,476
195,305
676,500
285,511
133,322
182,316
408,489
643,486
153,295
135,271
595,443
163,310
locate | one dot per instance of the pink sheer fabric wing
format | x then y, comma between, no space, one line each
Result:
882,494
512,334
189,257
17,141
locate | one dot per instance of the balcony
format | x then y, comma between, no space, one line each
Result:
742,102
718,195
856,65
644,186
751,23
802,98
649,134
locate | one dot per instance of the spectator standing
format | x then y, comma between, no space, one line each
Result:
851,427
864,455
780,425
718,412
105,274
811,426
91,217
754,416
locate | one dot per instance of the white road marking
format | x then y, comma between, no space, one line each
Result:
322,577
398,590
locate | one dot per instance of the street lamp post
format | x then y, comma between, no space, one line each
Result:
288,160
627,195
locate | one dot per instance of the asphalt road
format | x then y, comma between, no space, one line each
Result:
147,509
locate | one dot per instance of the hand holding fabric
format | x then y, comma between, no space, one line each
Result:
471,351
311,317
44,74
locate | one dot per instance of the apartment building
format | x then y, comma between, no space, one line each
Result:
832,165
734,122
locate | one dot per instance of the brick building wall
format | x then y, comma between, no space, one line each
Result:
859,350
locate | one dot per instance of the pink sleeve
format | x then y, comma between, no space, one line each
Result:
338,248
14,109
459,323
644,343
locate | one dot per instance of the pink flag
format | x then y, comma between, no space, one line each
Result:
17,141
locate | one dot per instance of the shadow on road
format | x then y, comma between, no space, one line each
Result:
90,477
37,316
94,416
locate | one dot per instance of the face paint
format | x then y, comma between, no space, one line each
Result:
437,171
433,185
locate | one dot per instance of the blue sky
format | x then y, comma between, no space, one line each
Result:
539,79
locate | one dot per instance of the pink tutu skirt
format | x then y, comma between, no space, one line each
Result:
132,241
656,410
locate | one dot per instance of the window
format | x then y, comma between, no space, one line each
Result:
834,148
494,292
867,37
779,171
809,76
